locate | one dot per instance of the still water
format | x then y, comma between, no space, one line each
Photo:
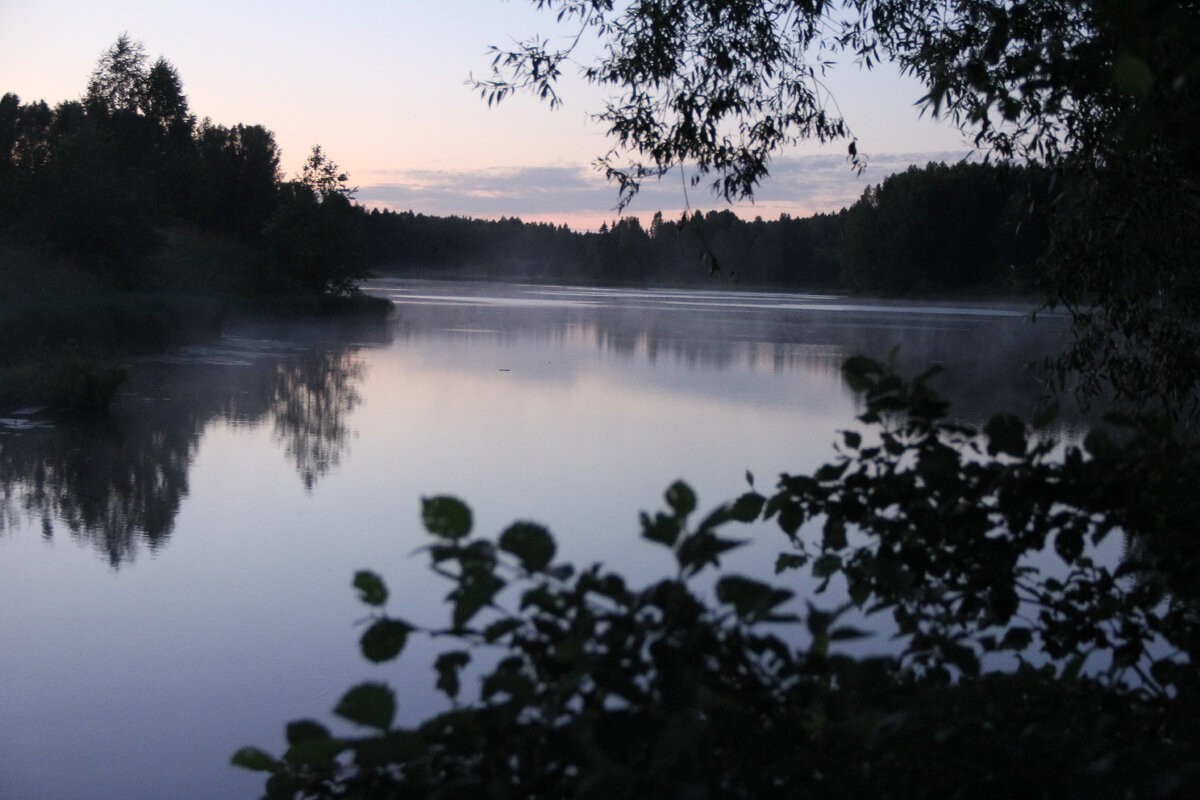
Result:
175,578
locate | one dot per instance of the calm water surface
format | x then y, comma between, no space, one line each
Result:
174,579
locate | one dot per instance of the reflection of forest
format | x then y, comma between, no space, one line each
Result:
117,482
990,359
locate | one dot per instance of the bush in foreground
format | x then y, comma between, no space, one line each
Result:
1025,666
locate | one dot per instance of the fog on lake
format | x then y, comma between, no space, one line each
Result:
175,577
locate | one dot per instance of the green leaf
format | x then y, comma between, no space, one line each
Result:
835,533
500,628
372,705
384,640
860,592
661,529
826,565
371,588
305,730
478,555
561,572
853,440
703,548
448,665
749,598
716,518
847,632
447,517
681,498
775,504
747,507
962,657
444,552
1119,418
1074,665
829,473
1004,603
1133,76
315,751
254,759
1006,434
787,561
475,591
393,748
531,543
1017,638
508,679
818,622
1170,673
791,517
612,587
857,372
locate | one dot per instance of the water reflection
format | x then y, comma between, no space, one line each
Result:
310,399
116,483
108,483
989,353
280,459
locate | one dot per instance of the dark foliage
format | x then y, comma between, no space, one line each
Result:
942,227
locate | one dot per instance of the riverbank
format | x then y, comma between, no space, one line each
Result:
64,335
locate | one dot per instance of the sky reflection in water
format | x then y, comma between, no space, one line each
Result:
237,487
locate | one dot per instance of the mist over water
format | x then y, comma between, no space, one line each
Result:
175,578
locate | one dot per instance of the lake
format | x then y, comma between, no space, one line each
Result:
175,577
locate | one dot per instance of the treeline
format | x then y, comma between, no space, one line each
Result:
934,229
786,252
946,228
107,183
128,187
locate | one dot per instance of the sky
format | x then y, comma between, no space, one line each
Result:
382,87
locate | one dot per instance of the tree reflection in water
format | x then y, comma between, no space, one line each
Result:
310,399
116,483
111,485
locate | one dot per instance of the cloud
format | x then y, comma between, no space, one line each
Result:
578,195
490,192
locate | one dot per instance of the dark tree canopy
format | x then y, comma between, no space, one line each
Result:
940,228
325,178
162,99
726,84
118,82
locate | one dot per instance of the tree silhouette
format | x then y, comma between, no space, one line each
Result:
119,79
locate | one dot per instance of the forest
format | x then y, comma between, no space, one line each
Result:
125,184
898,239
126,188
